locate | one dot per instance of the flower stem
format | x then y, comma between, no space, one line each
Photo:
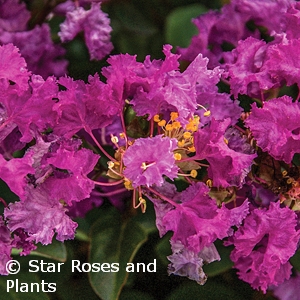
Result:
163,197
99,146
108,183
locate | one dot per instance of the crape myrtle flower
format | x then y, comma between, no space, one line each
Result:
6,244
14,172
197,221
82,106
11,144
220,105
95,25
176,89
43,57
244,68
289,289
156,86
13,69
187,263
234,17
62,168
227,166
162,207
13,16
264,244
292,21
281,62
275,127
148,159
40,216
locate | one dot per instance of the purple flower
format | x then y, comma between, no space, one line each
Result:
282,62
13,15
244,70
187,263
82,106
42,56
197,222
40,217
13,69
228,166
6,244
264,245
276,127
148,159
95,25
289,289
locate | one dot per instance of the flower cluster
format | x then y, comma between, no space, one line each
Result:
156,127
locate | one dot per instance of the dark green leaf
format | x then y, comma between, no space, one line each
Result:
113,241
179,28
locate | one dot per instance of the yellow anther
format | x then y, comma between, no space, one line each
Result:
226,141
209,183
114,139
192,149
290,180
110,164
177,156
187,135
181,143
176,125
207,113
143,204
144,166
122,135
174,116
162,123
169,127
194,173
156,118
128,184
284,173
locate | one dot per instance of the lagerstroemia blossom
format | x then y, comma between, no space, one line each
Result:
215,164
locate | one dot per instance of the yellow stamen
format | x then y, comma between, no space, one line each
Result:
169,127
194,173
180,143
114,139
110,164
128,184
226,141
162,123
209,183
192,149
174,116
176,125
187,135
207,113
177,156
143,204
156,118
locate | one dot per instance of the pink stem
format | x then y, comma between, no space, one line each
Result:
163,197
108,183
115,192
99,146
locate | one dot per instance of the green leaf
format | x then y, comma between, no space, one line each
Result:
56,251
295,261
113,241
212,290
133,294
179,29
